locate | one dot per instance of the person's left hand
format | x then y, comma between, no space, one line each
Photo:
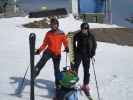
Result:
66,49
37,52
92,54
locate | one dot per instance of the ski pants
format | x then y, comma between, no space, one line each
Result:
56,61
86,66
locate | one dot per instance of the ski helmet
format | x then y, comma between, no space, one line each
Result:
54,21
84,25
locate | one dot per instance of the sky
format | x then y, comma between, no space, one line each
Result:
113,63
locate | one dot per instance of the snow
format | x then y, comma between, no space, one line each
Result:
113,63
70,24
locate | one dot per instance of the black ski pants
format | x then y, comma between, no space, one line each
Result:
86,66
56,61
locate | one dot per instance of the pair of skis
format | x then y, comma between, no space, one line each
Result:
32,38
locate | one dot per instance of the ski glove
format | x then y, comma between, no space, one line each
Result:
66,49
92,54
37,51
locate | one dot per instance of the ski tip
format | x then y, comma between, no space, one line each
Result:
32,35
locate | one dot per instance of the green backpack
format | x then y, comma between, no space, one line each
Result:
69,78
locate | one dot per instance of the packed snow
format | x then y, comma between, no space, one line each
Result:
113,63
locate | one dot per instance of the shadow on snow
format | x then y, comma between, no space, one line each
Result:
39,83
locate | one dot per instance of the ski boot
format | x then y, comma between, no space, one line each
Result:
86,90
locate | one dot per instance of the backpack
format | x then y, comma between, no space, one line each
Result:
68,78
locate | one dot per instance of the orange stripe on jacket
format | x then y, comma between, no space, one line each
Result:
53,42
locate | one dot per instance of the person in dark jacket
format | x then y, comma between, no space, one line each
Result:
51,48
84,49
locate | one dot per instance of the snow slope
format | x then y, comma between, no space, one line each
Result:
113,64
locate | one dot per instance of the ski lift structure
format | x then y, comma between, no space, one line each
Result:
8,8
94,11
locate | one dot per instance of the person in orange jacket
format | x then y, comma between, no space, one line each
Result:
51,48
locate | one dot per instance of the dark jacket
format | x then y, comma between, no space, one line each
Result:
84,44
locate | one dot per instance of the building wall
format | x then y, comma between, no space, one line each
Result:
9,8
122,9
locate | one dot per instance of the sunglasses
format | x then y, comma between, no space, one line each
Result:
53,24
86,28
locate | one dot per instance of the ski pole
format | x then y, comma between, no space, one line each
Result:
98,95
24,77
65,68
66,59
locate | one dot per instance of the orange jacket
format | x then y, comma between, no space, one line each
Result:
53,41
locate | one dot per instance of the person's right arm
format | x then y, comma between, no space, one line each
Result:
44,44
75,42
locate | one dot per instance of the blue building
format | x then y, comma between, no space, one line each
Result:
90,10
91,6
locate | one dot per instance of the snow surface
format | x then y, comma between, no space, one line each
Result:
113,64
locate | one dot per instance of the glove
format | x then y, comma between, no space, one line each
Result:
92,54
37,51
66,49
